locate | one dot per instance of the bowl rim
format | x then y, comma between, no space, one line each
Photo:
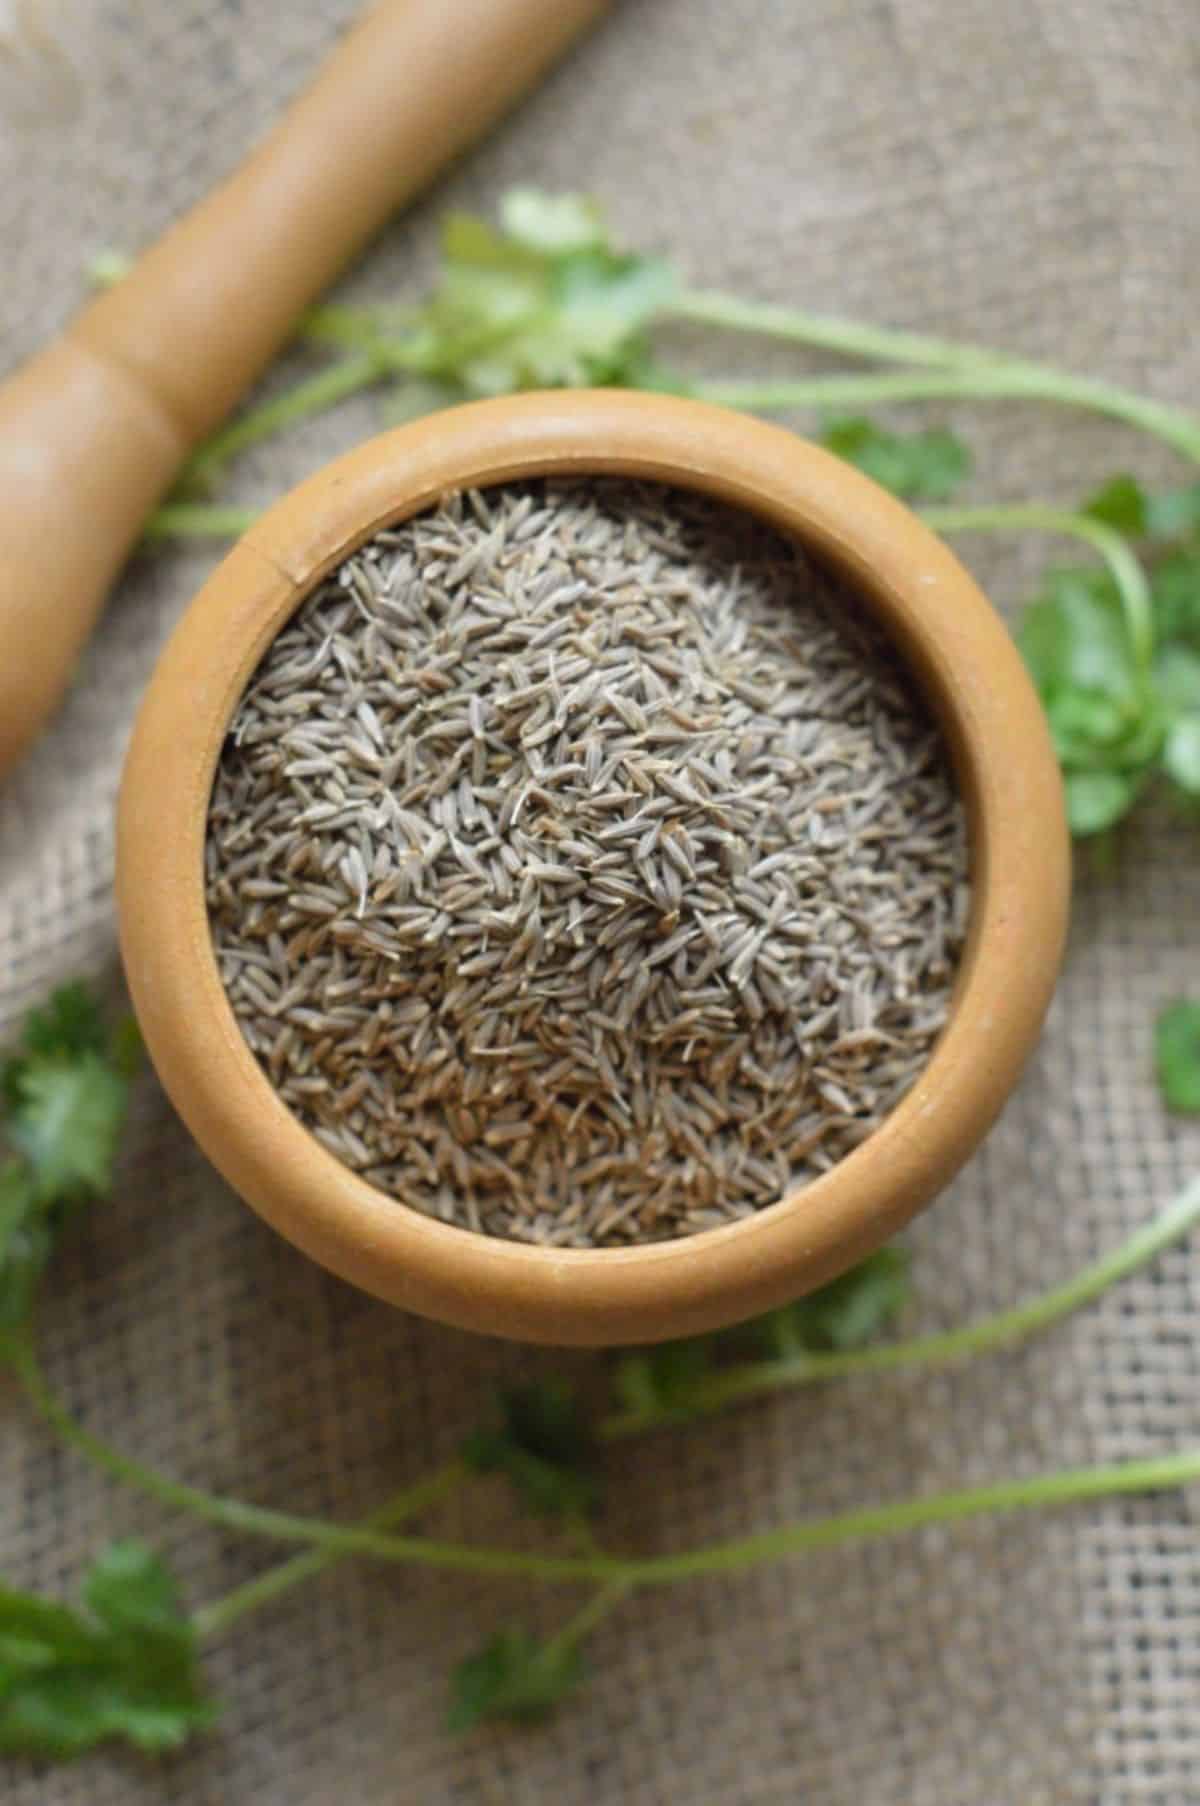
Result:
966,665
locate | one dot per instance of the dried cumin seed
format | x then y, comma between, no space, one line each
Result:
585,820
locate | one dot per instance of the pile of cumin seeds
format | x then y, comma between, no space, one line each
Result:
582,868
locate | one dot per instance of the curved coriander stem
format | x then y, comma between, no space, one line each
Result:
996,380
714,1392
1124,568
199,520
825,331
1070,1486
231,1514
213,1620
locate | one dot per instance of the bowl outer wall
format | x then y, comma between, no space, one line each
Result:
963,659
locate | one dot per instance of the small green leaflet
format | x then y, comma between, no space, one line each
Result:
1124,504
661,1382
63,1096
926,466
1121,503
543,300
1177,1056
67,1123
1106,715
542,1446
667,1383
1098,800
26,1243
514,1676
1175,596
848,1312
124,1667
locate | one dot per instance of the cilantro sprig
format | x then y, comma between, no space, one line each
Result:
1177,1056
1123,699
63,1098
126,1666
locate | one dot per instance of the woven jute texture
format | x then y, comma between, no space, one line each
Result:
1021,172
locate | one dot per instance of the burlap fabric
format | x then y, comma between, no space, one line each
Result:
1019,171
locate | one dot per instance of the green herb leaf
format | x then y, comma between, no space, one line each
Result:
543,1447
67,1123
1177,679
926,466
70,1023
26,1243
553,224
1123,504
546,301
63,1095
658,1382
125,1668
846,1313
514,1676
1097,800
1177,1056
1175,514
1175,596
1106,715
1074,638
1181,754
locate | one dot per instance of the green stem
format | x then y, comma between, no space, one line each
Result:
231,1514
199,520
997,380
715,1392
215,1619
825,331
1123,566
577,1629
1069,1486
313,396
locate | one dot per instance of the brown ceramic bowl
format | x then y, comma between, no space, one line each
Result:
966,665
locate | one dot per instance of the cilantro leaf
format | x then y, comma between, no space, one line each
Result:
926,466
1097,800
544,301
1175,514
26,1243
514,1676
1177,1056
1181,754
63,1097
1177,678
125,1667
1122,503
542,1446
844,1314
1175,595
1074,638
658,1382
553,224
1106,714
67,1123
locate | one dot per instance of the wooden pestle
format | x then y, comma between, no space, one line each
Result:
94,429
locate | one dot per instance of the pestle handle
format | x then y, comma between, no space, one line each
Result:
94,429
